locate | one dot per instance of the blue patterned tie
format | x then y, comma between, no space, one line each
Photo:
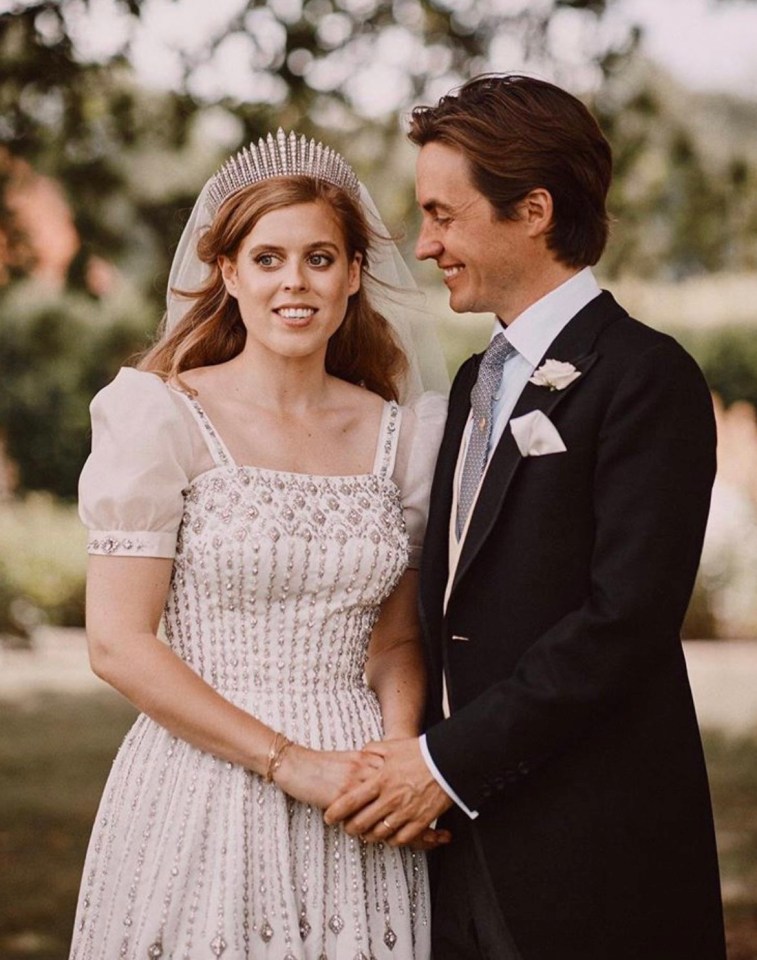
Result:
482,406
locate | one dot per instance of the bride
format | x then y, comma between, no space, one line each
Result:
256,486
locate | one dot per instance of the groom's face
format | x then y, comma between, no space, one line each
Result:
486,262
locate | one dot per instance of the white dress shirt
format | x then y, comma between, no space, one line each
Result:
531,333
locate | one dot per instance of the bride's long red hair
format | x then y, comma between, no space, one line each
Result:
363,350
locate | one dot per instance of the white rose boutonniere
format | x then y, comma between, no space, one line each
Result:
555,374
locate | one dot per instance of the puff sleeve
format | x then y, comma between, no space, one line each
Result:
420,436
131,487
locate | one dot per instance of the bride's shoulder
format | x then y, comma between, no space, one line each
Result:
138,401
131,386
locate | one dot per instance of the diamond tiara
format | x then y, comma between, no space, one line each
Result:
284,156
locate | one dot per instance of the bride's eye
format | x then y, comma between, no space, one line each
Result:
265,260
320,260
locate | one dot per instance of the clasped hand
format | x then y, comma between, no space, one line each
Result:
397,802
319,777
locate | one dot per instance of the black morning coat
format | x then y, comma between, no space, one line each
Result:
573,731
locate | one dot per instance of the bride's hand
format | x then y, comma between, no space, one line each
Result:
318,777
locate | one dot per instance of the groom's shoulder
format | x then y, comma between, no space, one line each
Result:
635,343
633,337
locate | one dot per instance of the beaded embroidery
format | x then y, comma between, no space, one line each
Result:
112,544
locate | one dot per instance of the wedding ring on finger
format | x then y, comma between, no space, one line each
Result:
388,825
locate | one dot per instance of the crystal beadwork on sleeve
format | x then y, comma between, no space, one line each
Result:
116,543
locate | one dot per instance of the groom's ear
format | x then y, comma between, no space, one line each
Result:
537,210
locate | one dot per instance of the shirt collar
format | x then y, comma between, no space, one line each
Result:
532,331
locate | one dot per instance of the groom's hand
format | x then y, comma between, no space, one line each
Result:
398,804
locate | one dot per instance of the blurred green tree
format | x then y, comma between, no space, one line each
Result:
129,159
683,201
55,353
728,358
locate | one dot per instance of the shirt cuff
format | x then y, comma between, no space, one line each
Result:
441,781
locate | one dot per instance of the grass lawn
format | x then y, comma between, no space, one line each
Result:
732,765
55,752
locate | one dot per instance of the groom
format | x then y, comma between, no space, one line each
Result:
567,516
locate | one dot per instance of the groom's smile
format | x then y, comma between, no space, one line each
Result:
451,272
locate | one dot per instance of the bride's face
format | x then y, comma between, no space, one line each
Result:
292,279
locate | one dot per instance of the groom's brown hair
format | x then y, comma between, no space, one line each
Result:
519,134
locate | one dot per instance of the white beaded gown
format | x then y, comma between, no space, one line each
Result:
276,585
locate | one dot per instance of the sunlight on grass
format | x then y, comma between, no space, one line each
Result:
55,753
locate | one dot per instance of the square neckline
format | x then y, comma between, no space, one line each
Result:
384,454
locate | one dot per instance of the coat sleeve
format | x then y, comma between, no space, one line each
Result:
654,471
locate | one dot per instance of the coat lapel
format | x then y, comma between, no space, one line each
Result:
574,345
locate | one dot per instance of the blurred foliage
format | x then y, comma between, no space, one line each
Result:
728,358
129,159
42,565
684,194
87,126
55,354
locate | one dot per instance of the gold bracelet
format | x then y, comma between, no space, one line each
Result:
279,758
272,751
279,745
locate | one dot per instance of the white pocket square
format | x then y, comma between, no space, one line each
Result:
536,435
